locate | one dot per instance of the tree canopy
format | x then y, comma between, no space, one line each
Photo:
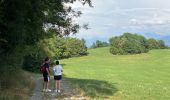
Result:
129,43
24,22
37,28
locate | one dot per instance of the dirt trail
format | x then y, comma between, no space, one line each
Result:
67,91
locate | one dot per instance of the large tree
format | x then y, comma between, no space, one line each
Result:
23,22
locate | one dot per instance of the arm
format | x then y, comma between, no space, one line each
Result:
61,69
47,69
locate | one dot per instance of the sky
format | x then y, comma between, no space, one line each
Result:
109,18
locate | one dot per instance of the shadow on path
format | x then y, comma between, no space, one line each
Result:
73,89
67,91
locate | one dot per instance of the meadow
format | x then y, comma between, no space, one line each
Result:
101,75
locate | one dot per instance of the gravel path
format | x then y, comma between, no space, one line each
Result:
67,91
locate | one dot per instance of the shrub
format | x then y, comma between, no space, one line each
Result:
128,44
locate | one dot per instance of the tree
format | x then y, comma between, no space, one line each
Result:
128,44
162,44
76,47
99,43
25,26
153,44
24,22
56,48
156,44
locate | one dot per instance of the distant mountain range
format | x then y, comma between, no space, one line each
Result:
166,39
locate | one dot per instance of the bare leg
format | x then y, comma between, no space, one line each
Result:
58,84
46,85
48,82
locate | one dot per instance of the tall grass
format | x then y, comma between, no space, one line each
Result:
15,85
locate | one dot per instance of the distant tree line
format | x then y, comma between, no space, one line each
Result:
99,43
129,43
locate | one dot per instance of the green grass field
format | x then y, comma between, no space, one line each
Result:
102,75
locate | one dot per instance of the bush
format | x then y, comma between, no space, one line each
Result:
31,63
156,44
134,44
116,51
55,48
128,44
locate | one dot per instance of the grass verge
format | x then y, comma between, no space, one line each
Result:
15,85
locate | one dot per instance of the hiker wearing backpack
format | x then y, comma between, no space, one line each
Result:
57,76
46,75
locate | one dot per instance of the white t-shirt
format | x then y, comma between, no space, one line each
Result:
57,70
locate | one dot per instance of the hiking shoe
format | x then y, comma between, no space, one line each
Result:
55,90
44,90
48,90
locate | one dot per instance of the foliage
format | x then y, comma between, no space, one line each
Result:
128,44
24,30
156,44
99,43
25,22
75,47
56,48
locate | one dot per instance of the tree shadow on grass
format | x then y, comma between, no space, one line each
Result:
94,88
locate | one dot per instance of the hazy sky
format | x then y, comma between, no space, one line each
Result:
113,17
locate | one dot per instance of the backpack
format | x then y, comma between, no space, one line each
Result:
42,68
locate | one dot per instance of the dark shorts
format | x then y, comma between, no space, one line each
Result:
59,77
46,78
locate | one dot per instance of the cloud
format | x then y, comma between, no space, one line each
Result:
114,17
149,22
157,17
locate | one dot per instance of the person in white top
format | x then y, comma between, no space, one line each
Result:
57,76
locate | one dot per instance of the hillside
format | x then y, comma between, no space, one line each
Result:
127,77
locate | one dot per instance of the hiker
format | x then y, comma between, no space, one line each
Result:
57,76
46,75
